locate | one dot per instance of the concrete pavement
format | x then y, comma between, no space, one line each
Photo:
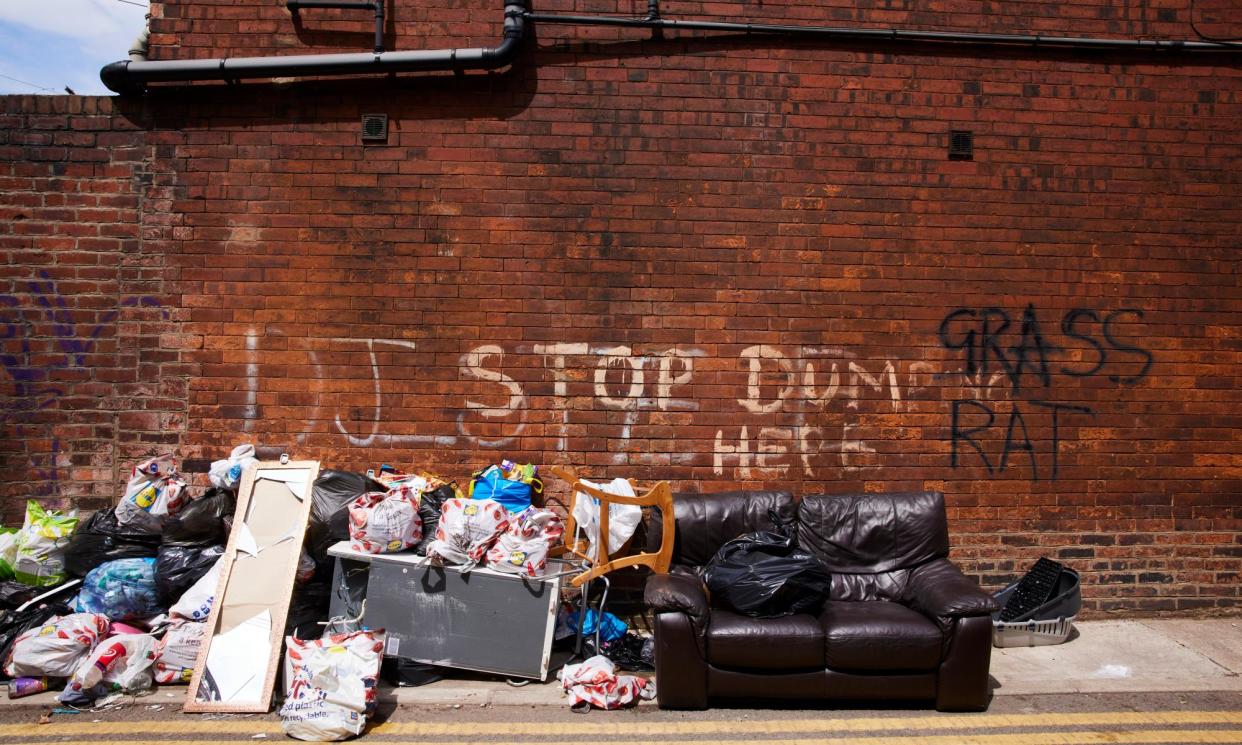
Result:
1128,657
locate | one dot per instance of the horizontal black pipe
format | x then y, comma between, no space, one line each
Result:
889,34
296,5
130,76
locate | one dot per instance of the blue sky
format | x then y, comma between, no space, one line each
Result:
46,45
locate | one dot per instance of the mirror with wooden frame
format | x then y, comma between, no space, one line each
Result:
236,667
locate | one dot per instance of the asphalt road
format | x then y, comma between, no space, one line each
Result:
1200,717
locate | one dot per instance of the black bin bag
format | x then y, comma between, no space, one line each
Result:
103,539
764,574
194,539
179,567
13,624
429,512
203,522
329,518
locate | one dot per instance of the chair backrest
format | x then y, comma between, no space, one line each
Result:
874,533
706,521
659,497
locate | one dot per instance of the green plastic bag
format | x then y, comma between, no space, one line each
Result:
8,552
41,546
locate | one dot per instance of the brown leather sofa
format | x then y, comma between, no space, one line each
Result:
901,621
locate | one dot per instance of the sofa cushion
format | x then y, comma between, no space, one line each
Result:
706,521
869,585
742,642
878,635
858,533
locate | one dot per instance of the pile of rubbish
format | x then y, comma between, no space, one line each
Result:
496,526
117,602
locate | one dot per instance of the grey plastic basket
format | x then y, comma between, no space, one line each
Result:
1032,633
1050,623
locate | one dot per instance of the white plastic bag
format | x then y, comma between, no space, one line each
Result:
55,649
623,519
466,530
332,689
121,663
596,682
39,548
523,547
387,522
195,604
177,652
226,473
8,552
154,492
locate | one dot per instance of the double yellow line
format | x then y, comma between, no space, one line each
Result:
1087,728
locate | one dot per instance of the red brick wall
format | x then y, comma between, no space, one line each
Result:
87,383
741,262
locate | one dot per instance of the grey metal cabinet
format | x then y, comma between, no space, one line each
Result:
477,620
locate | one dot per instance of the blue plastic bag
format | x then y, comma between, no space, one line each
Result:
122,590
613,628
514,496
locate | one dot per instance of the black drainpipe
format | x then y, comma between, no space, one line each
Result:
654,22
130,76
375,6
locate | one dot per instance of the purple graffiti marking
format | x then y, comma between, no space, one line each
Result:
74,341
44,470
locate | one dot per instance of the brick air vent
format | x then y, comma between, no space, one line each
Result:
961,144
374,127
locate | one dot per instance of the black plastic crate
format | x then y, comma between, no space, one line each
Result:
1057,596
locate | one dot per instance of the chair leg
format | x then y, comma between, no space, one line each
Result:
681,672
963,681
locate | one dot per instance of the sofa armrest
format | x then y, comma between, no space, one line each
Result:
940,590
680,593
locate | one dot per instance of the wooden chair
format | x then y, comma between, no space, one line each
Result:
659,495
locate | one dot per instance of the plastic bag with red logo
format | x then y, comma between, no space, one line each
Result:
595,682
386,523
119,664
467,529
331,688
177,651
154,492
56,648
523,547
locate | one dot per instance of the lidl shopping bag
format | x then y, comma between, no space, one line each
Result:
55,648
154,492
467,529
385,523
523,547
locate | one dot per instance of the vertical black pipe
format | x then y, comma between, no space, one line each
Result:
379,26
